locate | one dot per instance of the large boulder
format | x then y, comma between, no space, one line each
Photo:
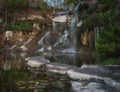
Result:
36,61
58,68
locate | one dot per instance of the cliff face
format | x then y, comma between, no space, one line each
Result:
88,13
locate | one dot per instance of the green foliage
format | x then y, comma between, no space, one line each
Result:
111,61
11,5
108,44
43,6
89,21
108,4
14,4
72,2
21,25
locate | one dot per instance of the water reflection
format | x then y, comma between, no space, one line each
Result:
16,60
75,59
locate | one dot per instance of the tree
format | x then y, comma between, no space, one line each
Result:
108,44
10,6
43,6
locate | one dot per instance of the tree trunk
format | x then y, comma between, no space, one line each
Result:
6,14
54,6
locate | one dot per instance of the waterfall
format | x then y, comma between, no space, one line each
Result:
73,29
96,32
40,42
67,39
63,39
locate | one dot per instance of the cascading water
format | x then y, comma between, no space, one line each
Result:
67,40
73,30
41,42
63,39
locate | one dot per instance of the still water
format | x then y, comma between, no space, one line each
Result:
15,76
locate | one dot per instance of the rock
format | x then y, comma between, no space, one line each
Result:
8,34
60,19
80,74
41,50
57,68
24,54
77,86
109,82
24,48
14,46
115,68
49,48
79,24
76,74
36,61
112,83
100,87
96,70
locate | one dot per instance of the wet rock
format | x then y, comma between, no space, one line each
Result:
76,74
95,72
36,61
111,72
57,68
77,86
115,68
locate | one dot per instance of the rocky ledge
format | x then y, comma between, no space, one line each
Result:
90,78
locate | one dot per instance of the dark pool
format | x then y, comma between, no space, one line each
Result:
75,59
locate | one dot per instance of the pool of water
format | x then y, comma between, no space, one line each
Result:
15,77
75,59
